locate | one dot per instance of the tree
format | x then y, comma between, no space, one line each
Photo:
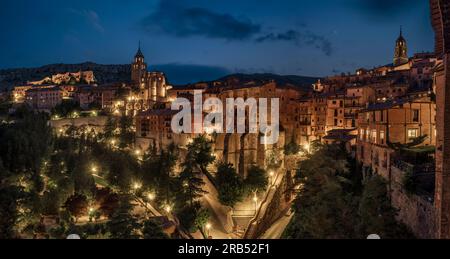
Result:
107,201
322,208
292,148
10,198
257,180
109,128
377,214
192,183
152,230
229,185
192,217
66,108
77,205
156,171
126,135
199,154
122,224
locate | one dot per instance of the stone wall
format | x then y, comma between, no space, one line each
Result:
96,123
415,211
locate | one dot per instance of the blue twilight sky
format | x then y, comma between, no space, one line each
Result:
202,39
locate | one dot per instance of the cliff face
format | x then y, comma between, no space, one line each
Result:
103,73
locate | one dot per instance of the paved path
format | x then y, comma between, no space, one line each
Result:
277,228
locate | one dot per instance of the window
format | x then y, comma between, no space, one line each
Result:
361,134
415,115
413,133
374,136
382,116
382,137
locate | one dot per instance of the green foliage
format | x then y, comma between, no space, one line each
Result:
123,225
229,185
156,172
126,134
376,213
199,154
192,217
152,230
273,159
66,108
330,203
10,199
77,205
25,143
197,159
107,201
292,148
257,180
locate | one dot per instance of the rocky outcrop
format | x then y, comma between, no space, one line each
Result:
104,74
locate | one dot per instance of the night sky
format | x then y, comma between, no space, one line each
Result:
203,39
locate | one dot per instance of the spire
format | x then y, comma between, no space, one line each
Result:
401,31
139,52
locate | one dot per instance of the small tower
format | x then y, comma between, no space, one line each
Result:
401,51
138,67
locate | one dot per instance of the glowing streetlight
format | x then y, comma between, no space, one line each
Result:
137,152
168,208
208,227
94,169
113,142
307,147
137,186
151,196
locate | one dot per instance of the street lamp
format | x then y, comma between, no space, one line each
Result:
94,169
208,227
255,199
168,208
151,196
307,147
137,186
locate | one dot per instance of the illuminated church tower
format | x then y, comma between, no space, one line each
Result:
138,67
401,51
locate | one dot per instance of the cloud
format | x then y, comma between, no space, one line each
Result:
301,38
91,17
190,73
384,8
173,19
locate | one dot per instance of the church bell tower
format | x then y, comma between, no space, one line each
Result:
401,51
138,67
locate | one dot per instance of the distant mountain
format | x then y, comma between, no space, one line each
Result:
122,73
304,82
103,73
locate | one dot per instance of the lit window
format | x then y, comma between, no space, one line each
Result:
382,137
374,136
413,133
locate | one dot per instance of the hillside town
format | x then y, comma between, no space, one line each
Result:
384,120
